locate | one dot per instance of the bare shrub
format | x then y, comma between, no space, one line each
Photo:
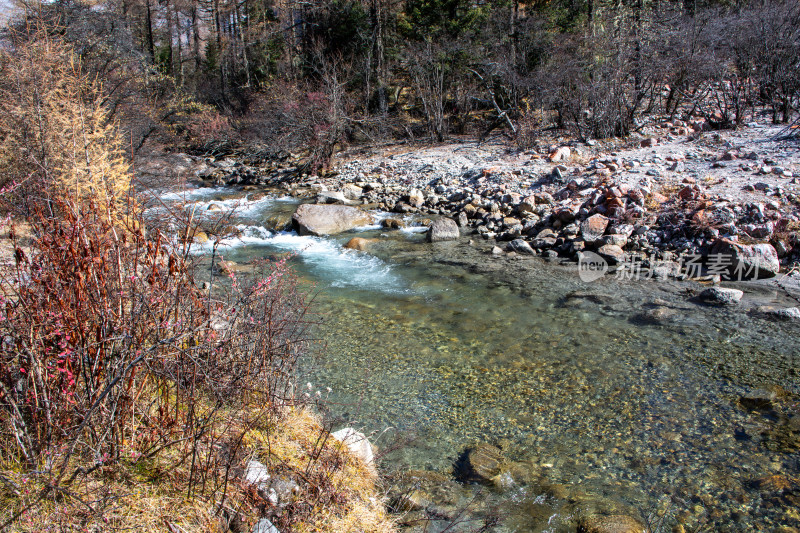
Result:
113,360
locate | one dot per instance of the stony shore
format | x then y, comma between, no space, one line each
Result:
677,201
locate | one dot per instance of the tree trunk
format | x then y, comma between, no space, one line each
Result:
151,45
170,30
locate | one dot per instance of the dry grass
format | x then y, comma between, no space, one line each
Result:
298,445
150,494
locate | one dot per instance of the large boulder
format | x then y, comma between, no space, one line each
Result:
746,261
443,229
593,228
311,219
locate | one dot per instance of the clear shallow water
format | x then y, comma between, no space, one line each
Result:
607,410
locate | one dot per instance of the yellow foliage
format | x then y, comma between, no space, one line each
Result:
55,131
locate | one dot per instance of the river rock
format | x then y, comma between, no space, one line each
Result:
521,247
615,239
416,198
779,313
200,237
593,228
657,315
357,243
311,219
480,463
612,253
357,444
334,197
413,500
760,399
774,483
352,192
392,223
753,261
721,296
443,229
611,524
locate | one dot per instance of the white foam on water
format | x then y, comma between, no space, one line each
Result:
368,227
328,260
247,236
339,266
190,194
239,206
414,229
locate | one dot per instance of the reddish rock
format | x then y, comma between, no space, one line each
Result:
700,218
593,228
690,192
658,198
615,202
636,195
648,143
566,214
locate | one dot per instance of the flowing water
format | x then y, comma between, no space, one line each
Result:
613,396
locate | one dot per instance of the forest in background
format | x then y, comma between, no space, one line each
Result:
289,75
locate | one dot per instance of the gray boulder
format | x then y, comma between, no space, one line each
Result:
721,296
443,229
352,192
612,253
747,261
311,219
521,247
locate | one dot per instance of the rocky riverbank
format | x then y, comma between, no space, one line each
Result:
680,201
